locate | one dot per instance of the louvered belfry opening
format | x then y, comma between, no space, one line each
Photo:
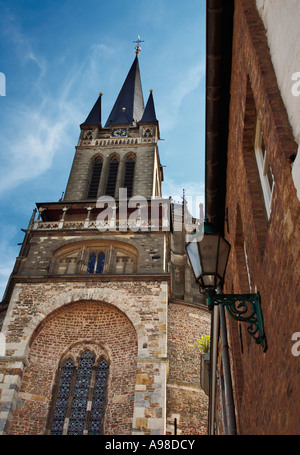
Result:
129,174
95,179
112,177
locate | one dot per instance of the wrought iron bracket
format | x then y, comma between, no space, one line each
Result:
243,308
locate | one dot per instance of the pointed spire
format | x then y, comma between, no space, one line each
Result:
149,115
129,106
94,117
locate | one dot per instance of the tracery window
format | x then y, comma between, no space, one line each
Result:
129,175
79,401
112,177
96,262
95,179
95,258
67,264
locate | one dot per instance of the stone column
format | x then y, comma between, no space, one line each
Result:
150,407
11,372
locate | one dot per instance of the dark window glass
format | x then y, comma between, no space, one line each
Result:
73,413
96,263
98,398
62,397
100,262
129,174
112,178
95,179
81,394
91,263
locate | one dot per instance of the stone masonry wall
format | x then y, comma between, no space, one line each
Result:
186,402
83,324
43,246
80,175
125,319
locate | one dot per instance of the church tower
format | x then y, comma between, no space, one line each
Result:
101,307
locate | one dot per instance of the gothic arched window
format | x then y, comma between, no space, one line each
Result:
95,179
79,402
62,399
129,174
112,177
96,262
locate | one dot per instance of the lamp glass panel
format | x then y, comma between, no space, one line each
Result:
193,253
209,281
209,253
223,257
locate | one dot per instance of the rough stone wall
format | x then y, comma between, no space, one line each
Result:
187,402
100,327
268,381
41,313
42,247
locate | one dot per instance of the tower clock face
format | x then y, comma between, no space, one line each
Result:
119,132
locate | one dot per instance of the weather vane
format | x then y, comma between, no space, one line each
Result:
138,47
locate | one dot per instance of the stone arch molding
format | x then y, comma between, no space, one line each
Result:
112,297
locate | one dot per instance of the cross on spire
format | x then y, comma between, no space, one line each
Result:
138,47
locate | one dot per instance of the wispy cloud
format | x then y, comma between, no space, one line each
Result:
40,130
20,42
188,82
30,152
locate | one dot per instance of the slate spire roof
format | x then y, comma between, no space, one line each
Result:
129,106
94,117
149,115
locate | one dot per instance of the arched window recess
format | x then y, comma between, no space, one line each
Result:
129,174
78,403
95,178
112,176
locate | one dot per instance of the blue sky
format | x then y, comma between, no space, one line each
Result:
57,56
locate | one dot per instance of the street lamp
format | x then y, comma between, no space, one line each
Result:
208,259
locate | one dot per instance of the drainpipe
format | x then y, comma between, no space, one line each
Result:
213,370
227,373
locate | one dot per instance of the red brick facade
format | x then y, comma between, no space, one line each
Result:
266,385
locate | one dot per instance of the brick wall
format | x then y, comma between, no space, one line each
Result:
102,328
266,384
46,319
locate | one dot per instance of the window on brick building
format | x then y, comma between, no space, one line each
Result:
264,168
95,179
78,401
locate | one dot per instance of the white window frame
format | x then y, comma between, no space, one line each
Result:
263,164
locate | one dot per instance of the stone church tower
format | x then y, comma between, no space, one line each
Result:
101,306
